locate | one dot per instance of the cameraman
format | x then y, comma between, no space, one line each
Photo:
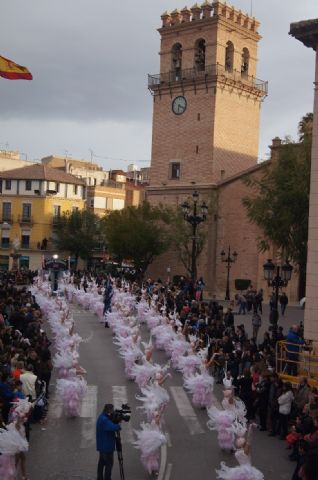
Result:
106,442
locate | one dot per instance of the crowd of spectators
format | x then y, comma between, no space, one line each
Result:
25,357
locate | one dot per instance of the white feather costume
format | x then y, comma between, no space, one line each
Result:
149,440
154,399
222,421
245,471
201,388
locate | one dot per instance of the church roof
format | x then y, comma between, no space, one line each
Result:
248,171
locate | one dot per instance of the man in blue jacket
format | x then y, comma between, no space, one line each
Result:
106,442
293,344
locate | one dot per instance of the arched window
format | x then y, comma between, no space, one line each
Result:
176,61
199,55
245,62
229,57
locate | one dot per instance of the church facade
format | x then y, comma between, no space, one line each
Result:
205,136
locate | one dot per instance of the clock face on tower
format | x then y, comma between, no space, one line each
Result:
179,105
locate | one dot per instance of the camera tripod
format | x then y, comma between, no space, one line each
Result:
120,455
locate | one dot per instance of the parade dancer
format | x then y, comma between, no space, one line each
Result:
149,441
245,470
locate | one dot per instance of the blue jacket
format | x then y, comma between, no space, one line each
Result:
105,434
293,337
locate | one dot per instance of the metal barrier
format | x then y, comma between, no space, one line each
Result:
294,360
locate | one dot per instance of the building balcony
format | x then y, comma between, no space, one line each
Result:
211,73
32,246
56,219
112,184
6,219
25,219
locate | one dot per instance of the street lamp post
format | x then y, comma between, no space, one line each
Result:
277,281
229,259
194,218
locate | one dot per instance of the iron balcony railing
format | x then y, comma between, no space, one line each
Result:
113,184
28,219
210,72
27,246
56,219
6,218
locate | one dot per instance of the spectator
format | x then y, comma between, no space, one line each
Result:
241,301
283,300
285,401
259,301
256,323
294,341
302,394
229,318
29,380
275,390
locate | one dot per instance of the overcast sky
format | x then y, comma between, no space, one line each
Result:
90,59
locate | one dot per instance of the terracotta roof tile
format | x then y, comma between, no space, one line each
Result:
41,172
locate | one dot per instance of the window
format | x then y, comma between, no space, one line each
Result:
5,242
25,241
8,184
4,262
75,189
109,203
24,262
199,55
229,57
57,186
6,212
176,61
28,185
245,62
197,149
56,212
175,170
26,211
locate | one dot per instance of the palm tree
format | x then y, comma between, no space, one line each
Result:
305,126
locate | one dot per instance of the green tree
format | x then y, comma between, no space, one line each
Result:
137,234
181,238
280,200
77,232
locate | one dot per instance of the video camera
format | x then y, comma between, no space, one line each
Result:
121,415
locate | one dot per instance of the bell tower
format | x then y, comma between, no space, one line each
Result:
206,98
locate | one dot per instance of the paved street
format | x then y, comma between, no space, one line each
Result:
64,448
293,314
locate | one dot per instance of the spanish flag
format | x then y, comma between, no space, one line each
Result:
13,71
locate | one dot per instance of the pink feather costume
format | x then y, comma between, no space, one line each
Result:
11,443
200,385
154,398
189,364
245,471
149,440
71,391
222,421
143,373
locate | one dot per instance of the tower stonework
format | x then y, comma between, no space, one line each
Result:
206,109
206,97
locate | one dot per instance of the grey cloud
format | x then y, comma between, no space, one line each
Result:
90,60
